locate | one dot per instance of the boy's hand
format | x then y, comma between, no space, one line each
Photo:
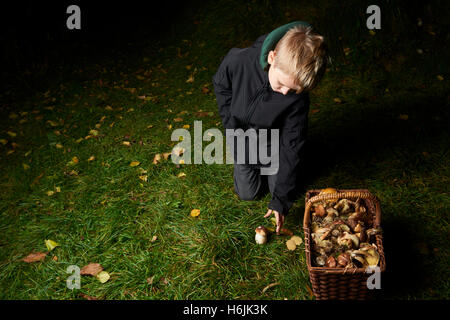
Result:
279,218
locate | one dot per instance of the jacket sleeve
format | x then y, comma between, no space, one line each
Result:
292,142
222,82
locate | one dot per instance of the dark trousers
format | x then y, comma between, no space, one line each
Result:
249,184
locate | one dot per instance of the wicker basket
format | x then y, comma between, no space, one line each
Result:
341,283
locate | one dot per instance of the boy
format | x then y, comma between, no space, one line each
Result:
266,86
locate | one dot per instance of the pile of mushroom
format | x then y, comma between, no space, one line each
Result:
342,234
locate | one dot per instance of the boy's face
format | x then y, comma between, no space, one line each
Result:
279,81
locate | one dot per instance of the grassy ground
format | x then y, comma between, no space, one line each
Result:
387,131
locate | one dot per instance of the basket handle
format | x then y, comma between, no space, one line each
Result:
345,194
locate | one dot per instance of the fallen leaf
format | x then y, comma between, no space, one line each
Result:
52,123
85,296
50,193
190,79
186,126
126,143
439,77
11,134
206,90
109,108
91,269
103,276
50,244
58,189
195,212
154,238
55,258
58,146
166,155
25,166
143,178
75,160
181,174
134,163
337,100
178,119
269,286
91,158
93,132
3,141
298,241
157,158
403,117
149,126
150,280
286,232
34,257
290,244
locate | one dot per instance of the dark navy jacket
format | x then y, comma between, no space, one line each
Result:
246,100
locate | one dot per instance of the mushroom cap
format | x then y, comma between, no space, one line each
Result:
328,190
261,230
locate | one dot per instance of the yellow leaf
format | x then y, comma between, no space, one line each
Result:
91,158
178,119
79,140
149,126
166,155
52,123
98,125
181,161
109,108
440,78
186,126
59,146
27,153
58,189
298,241
126,143
190,79
25,166
271,229
154,238
103,276
75,160
143,178
102,118
50,193
157,158
3,141
9,152
57,132
337,100
13,115
50,244
134,163
112,124
195,212
290,244
141,170
181,174
273,220
93,132
169,126
372,33
12,134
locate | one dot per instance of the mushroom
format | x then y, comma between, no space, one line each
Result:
261,235
349,240
371,233
321,260
343,259
343,206
331,262
360,231
319,210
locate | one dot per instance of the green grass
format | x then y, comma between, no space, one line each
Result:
104,213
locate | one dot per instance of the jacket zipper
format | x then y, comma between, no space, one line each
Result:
252,106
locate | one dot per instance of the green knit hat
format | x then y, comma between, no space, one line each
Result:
272,39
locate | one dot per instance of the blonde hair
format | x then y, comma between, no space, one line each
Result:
303,55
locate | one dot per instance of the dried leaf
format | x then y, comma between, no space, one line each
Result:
154,238
286,232
143,178
50,244
337,100
93,132
34,257
403,117
166,155
103,276
186,126
178,119
126,143
298,241
181,175
91,269
134,163
91,158
85,296
11,134
195,212
50,193
157,158
290,244
439,77
269,286
150,280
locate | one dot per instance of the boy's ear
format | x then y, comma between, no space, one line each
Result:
271,56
